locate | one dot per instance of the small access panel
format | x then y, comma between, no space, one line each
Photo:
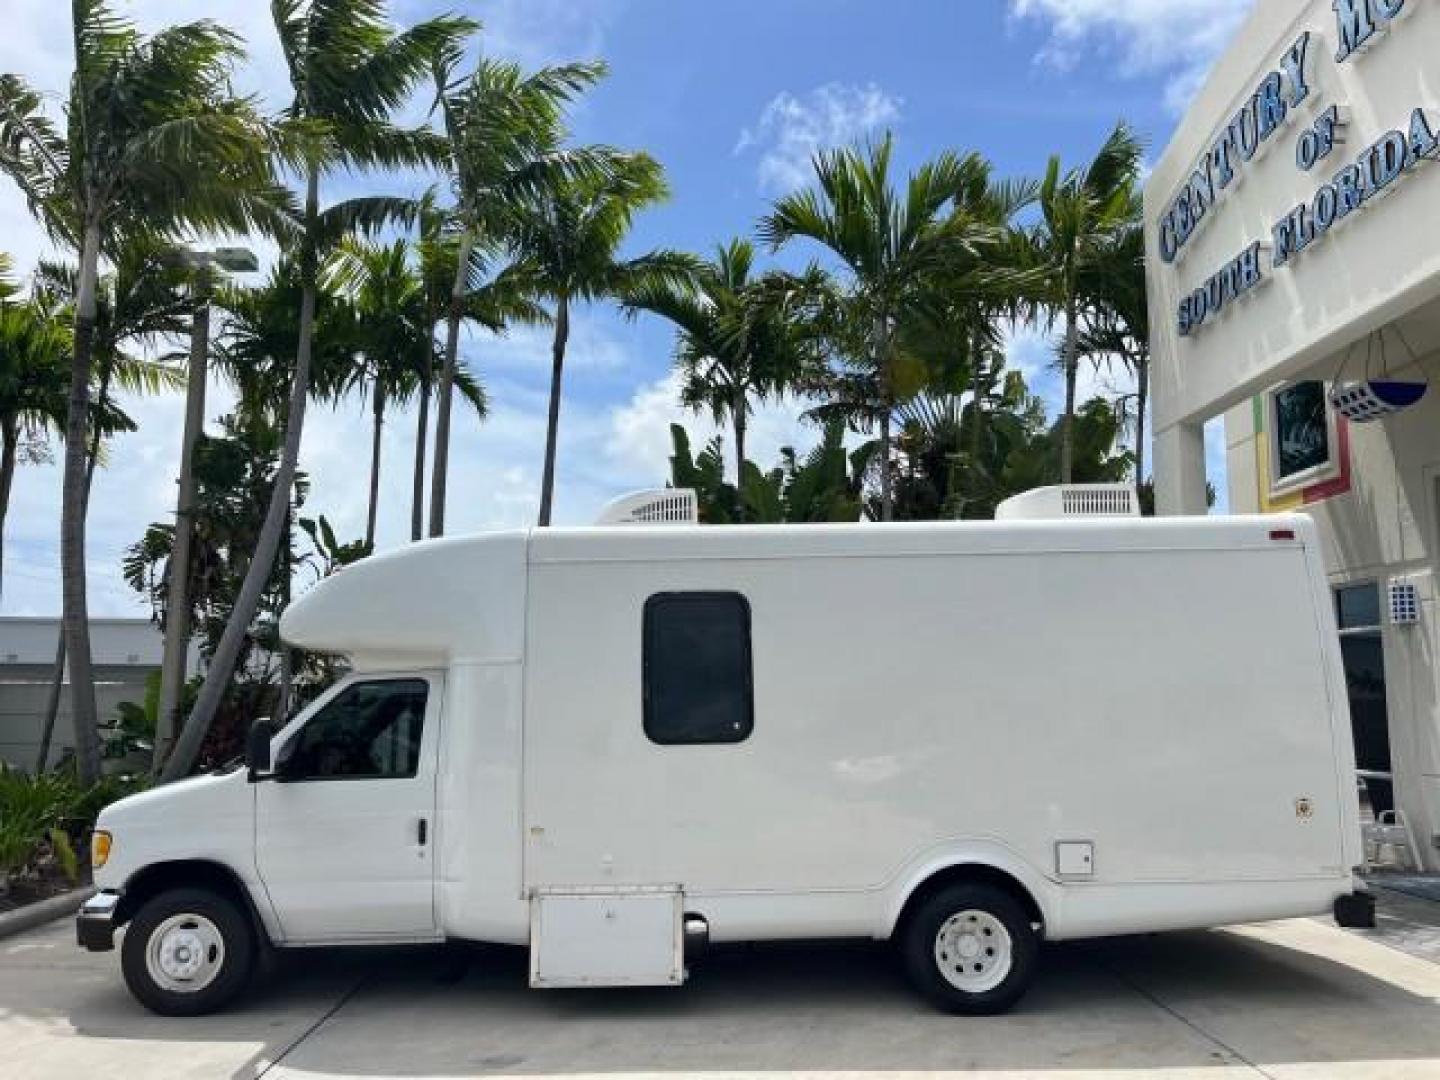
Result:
607,937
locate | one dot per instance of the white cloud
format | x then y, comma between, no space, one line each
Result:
641,444
536,32
1177,38
791,128
591,347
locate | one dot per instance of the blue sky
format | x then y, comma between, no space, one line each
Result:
732,98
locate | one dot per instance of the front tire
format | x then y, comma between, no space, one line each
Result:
970,949
187,952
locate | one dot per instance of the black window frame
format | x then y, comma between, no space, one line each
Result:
292,744
654,604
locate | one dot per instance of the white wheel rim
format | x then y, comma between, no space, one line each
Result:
974,951
185,953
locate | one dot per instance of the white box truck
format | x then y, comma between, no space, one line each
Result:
967,738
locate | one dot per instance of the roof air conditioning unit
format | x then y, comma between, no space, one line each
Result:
666,506
1070,501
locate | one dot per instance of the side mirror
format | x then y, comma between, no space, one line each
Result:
257,748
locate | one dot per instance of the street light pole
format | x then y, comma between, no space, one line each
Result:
205,265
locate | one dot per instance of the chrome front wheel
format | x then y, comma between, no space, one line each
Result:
973,951
185,953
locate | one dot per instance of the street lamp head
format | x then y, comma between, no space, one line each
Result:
236,260
233,260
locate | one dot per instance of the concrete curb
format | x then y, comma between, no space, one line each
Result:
33,915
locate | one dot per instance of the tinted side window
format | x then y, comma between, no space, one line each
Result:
697,668
372,730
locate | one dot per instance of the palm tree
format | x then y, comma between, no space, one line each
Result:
153,137
739,341
569,235
395,326
495,304
436,279
137,303
1120,326
504,129
1084,214
386,293
34,343
350,72
895,248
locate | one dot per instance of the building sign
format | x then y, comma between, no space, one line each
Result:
1258,125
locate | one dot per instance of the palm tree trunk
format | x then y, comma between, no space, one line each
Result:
287,655
422,434
9,450
375,446
966,488
983,384
1142,395
52,704
277,515
75,616
737,409
552,426
177,604
1067,421
445,392
882,365
57,670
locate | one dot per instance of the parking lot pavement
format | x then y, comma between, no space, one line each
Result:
1298,999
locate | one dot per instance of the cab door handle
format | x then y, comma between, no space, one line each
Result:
423,831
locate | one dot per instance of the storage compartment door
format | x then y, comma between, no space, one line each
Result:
629,938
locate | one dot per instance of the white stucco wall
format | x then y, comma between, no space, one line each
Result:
1375,269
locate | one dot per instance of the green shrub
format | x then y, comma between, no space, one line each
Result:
62,849
47,818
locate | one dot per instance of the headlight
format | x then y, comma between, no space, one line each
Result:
100,841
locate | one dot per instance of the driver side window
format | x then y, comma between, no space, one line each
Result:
371,731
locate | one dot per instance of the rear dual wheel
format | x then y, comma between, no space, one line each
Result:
971,949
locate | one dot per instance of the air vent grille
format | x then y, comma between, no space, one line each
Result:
669,506
1070,501
1098,502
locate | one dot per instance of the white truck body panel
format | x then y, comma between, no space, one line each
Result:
1165,696
607,937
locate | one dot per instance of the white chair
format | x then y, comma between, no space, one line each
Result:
1390,843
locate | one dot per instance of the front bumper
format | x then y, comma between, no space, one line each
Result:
95,922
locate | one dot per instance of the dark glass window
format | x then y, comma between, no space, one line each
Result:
1357,606
1362,650
697,668
1302,434
372,730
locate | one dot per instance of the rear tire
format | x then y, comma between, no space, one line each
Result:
970,949
187,952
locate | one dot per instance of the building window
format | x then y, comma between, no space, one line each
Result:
697,673
1357,610
1302,436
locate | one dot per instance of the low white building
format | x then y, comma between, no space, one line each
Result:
124,653
1294,274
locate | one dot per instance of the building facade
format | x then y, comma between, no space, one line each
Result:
124,652
1293,254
